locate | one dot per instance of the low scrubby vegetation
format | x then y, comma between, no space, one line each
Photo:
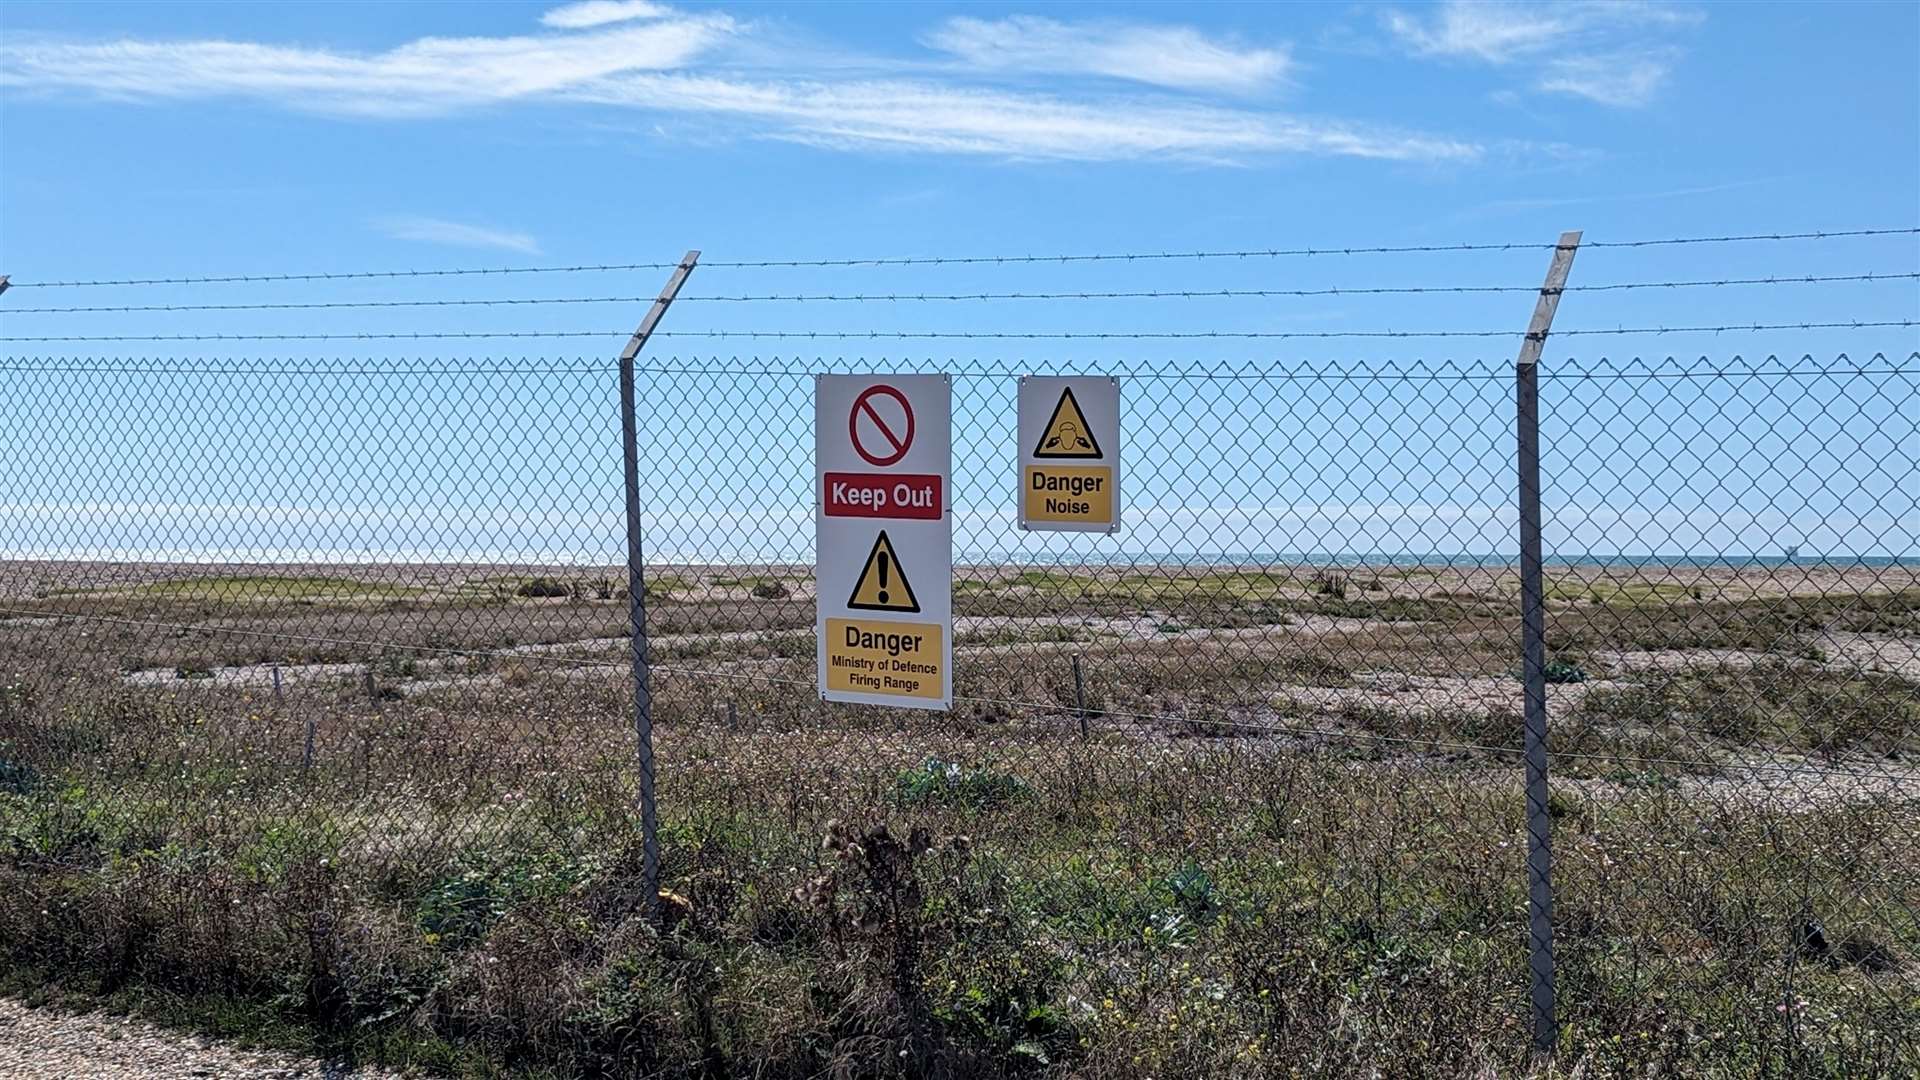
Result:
1214,824
456,883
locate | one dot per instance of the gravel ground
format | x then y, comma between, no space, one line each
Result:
47,1044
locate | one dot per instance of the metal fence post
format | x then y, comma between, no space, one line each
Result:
1533,630
1080,695
637,584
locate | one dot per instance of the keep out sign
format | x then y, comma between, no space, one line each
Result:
870,495
883,539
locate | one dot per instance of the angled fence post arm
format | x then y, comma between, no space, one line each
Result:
1533,630
637,585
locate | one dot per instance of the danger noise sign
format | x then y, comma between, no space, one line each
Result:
1069,474
883,538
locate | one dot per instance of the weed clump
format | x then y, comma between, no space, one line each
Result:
1193,891
543,588
477,892
17,777
1561,672
953,784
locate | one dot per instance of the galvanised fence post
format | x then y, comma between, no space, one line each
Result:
1533,630
637,584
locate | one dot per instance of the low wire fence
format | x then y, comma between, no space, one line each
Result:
318,682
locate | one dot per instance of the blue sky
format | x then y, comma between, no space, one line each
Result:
187,139
202,137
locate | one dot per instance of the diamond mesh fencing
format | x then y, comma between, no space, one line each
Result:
317,676
1750,713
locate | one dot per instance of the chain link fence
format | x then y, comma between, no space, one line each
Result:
316,680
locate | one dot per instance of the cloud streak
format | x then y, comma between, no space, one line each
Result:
1606,52
1549,202
601,12
906,114
429,230
425,77
1623,80
1177,57
645,57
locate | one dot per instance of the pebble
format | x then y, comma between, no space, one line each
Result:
50,1044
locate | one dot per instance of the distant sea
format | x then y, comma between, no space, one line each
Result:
1388,560
1159,559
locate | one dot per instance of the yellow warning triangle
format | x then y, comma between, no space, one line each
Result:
1067,434
882,585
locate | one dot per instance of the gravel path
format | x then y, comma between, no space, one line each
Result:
47,1044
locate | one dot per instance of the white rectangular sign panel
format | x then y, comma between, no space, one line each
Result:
1069,474
883,539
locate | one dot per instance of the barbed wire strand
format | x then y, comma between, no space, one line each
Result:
1137,294
232,368
343,275
1149,335
983,335
971,368
963,260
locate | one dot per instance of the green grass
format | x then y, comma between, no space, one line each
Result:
1769,624
769,644
1778,705
1617,593
1198,588
749,581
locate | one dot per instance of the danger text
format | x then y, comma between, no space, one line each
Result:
885,657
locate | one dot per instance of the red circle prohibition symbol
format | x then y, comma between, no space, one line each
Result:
895,443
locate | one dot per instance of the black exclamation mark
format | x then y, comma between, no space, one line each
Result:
882,560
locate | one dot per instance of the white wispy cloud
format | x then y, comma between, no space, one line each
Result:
602,12
1625,80
1608,52
430,75
1173,56
931,116
1548,202
649,58
458,234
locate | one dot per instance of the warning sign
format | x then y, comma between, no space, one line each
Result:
881,425
882,585
881,496
883,539
1067,434
1062,493
894,659
1069,469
